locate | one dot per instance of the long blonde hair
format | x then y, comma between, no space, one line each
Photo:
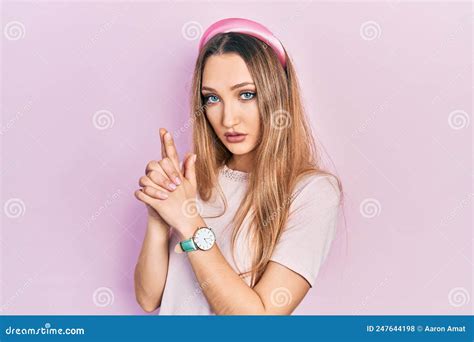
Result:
286,151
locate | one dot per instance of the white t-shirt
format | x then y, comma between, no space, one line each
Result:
303,245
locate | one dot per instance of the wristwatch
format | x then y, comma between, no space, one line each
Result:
203,239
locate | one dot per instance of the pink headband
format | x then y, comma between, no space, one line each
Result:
246,26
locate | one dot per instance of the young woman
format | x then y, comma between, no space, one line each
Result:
243,224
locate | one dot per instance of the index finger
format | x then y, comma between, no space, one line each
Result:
163,152
171,151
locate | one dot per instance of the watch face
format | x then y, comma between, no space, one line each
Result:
204,238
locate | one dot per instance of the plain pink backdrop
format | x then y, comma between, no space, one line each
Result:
85,87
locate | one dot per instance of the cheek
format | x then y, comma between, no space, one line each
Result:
255,117
213,117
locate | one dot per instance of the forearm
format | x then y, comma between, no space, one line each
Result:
226,292
152,266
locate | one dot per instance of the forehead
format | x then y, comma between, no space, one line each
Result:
223,71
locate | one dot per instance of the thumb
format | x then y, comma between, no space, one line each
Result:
182,163
190,169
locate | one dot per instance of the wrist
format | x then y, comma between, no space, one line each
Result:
155,218
187,229
158,230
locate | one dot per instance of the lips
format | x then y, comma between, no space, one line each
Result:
235,137
233,134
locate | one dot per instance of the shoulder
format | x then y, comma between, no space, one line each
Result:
311,226
316,189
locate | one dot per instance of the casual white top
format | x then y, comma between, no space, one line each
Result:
303,245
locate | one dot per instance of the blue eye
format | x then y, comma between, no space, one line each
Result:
209,97
248,95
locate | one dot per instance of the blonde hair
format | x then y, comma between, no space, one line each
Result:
285,134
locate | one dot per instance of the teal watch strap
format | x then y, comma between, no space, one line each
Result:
188,245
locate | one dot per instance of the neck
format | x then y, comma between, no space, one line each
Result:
240,162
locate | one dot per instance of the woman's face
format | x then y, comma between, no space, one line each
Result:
231,102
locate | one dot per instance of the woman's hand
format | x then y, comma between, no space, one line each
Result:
153,215
169,191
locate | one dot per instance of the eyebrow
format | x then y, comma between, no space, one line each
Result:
231,88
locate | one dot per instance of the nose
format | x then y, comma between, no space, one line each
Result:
230,117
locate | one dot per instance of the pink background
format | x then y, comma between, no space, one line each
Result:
388,91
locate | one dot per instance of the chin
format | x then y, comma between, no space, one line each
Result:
239,150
